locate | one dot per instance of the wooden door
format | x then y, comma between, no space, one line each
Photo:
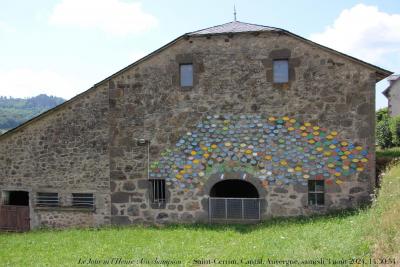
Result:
14,218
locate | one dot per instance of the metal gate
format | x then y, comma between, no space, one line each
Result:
234,209
14,218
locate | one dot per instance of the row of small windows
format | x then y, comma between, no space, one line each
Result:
316,193
77,200
157,194
280,72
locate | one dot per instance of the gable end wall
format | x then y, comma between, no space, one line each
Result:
234,76
90,144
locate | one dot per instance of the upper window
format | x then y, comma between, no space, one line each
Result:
281,71
186,74
316,192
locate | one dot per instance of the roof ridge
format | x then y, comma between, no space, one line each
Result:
233,26
259,25
210,27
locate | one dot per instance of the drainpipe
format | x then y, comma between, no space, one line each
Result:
142,142
148,159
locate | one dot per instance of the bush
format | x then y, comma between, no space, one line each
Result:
383,134
394,125
382,114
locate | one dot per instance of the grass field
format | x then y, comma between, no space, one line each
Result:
369,233
393,152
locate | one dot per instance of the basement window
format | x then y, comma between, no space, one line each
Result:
186,75
47,200
281,71
157,191
316,193
82,200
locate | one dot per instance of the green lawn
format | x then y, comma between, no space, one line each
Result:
374,232
393,152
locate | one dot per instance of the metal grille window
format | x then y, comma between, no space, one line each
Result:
82,200
316,192
47,200
186,74
157,191
281,71
234,208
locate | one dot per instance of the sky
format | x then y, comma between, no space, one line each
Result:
64,47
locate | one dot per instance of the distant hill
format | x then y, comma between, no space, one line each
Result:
15,111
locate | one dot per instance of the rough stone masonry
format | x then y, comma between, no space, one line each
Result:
89,144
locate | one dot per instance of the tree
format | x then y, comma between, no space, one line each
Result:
394,124
383,134
382,114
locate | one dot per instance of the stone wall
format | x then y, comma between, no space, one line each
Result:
233,75
91,143
64,152
63,218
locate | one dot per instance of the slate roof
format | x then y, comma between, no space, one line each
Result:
392,80
233,27
393,77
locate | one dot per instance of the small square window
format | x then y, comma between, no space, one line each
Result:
281,71
316,195
157,191
186,74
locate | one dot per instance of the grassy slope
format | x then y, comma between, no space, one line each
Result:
385,217
365,233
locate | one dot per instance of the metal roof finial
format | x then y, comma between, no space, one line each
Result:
234,12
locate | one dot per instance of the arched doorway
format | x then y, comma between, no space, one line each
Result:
234,200
234,189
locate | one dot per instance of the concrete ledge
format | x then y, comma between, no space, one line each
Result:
65,209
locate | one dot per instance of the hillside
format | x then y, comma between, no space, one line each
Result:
15,111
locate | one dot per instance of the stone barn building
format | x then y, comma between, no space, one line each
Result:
237,122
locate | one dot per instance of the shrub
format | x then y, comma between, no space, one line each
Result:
383,134
382,114
394,125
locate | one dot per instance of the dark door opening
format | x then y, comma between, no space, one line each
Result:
234,189
18,198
